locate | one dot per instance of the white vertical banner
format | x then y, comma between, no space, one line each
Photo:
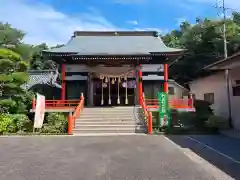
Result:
39,111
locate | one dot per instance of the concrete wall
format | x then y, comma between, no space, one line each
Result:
217,84
235,100
179,91
152,87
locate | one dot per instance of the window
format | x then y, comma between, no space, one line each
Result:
237,82
209,97
171,91
236,91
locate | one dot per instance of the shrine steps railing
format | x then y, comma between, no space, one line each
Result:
74,107
150,105
178,104
58,104
76,114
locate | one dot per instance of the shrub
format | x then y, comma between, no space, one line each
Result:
203,112
187,119
203,109
7,105
13,123
217,122
55,123
22,122
5,121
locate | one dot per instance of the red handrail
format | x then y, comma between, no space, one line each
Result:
76,114
147,114
78,109
173,103
154,103
57,103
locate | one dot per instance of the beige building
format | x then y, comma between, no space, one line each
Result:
221,88
153,86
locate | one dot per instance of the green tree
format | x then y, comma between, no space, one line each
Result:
13,73
9,36
204,44
37,61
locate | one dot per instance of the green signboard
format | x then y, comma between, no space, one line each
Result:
163,109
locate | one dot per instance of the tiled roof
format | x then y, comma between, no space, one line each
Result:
42,77
118,43
236,55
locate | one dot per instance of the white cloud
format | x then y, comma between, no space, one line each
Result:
42,23
133,22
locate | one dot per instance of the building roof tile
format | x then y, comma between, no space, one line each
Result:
118,43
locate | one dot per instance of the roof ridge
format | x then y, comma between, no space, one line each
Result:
116,33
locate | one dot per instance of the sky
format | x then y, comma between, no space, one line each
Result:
54,21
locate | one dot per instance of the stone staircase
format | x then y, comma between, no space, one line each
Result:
109,120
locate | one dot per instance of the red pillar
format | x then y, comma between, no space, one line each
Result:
150,129
33,103
190,100
165,85
70,125
63,91
140,87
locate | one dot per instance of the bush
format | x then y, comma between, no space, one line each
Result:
5,121
6,105
203,108
55,123
187,119
217,122
13,123
22,122
203,112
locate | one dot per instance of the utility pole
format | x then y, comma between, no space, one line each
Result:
223,12
224,30
227,78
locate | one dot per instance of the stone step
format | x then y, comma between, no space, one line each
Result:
104,134
100,116
107,130
108,110
106,118
108,121
105,122
107,114
105,126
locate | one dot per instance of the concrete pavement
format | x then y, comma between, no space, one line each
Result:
219,150
102,158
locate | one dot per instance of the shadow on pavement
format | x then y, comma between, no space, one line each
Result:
224,164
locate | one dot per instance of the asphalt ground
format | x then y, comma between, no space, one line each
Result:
134,157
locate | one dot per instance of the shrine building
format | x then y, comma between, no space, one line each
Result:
108,66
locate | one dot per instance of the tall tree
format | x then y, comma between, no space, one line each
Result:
10,36
38,62
204,44
13,73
